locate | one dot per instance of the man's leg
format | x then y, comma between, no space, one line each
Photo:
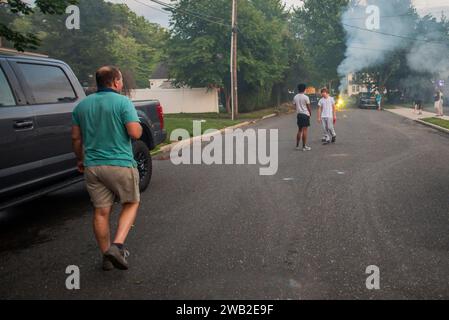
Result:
127,218
102,228
326,137
298,137
305,133
331,128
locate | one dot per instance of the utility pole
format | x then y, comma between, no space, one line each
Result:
234,83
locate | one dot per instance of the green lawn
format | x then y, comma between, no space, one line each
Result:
211,120
243,116
216,121
173,123
439,122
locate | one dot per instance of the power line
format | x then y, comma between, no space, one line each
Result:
392,35
367,48
204,17
184,10
364,18
423,11
152,7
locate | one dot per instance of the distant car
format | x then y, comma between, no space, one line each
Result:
313,99
367,101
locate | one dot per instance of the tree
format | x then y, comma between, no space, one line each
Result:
109,34
198,51
10,8
317,24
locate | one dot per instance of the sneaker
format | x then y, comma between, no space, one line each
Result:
307,148
298,148
334,139
118,257
326,142
107,264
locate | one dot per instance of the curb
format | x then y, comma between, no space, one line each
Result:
269,116
169,147
433,126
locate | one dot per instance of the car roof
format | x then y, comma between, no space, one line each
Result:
28,57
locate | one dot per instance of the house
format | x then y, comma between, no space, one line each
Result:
160,78
354,85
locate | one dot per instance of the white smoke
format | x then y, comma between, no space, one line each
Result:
368,47
430,55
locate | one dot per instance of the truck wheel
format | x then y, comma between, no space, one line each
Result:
144,164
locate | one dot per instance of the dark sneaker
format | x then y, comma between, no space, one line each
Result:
107,265
334,139
326,142
118,257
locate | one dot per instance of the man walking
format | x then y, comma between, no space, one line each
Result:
439,103
302,103
327,116
379,100
103,125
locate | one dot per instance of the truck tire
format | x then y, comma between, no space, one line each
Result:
144,163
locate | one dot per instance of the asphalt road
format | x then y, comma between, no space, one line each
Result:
377,197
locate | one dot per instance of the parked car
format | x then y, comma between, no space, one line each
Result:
37,97
367,101
314,98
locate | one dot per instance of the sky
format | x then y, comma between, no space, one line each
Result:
153,11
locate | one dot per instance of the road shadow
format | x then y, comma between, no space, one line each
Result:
32,223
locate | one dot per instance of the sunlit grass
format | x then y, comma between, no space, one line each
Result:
439,122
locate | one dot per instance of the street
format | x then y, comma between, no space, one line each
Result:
376,197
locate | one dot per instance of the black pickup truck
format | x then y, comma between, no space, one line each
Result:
37,97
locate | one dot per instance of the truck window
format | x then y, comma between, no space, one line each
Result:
48,84
6,96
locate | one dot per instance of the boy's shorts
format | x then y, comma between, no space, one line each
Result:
105,183
303,121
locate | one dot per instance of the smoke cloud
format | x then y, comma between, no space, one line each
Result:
377,28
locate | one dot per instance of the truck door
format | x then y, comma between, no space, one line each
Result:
18,157
53,99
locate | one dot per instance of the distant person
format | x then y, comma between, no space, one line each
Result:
378,100
327,116
302,103
103,125
439,103
418,104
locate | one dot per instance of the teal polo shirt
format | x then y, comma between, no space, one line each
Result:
102,118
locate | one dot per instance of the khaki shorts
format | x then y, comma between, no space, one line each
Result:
105,183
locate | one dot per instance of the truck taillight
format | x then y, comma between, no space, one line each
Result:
160,113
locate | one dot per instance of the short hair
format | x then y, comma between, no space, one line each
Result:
324,90
302,87
105,76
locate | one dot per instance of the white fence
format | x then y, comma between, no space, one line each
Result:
181,100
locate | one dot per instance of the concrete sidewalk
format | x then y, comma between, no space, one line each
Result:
410,114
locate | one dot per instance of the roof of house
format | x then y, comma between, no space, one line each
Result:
161,72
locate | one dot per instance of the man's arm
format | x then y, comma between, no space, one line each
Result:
134,129
334,111
77,145
319,112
